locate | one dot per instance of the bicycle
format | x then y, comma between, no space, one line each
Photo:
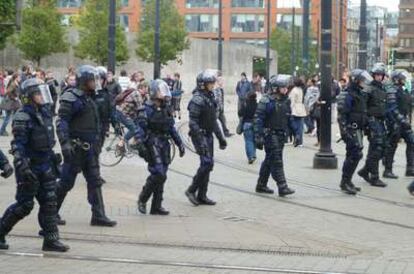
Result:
111,155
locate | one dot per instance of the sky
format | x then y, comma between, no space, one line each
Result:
391,5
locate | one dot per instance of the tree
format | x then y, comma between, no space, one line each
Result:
281,42
7,17
173,35
93,33
42,33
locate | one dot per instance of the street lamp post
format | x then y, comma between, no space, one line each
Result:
363,36
111,35
157,50
305,41
269,26
220,36
325,158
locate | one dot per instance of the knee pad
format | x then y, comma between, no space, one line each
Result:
24,209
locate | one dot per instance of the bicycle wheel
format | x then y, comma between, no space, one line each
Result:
109,156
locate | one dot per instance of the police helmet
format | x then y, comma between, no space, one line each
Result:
280,81
33,86
205,77
102,72
84,74
379,69
159,89
360,76
399,76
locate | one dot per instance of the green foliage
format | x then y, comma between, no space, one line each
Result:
93,33
7,15
42,33
173,35
281,42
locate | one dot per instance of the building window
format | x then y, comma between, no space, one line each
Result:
69,3
286,4
124,22
247,23
285,20
124,3
201,22
247,3
202,4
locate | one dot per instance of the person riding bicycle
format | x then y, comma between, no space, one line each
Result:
155,129
127,105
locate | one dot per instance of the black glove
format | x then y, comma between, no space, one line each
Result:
259,141
7,171
181,148
23,169
68,151
223,144
143,151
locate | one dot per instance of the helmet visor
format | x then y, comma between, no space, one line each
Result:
45,93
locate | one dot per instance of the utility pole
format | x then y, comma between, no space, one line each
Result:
363,36
305,40
157,50
269,27
111,36
220,37
341,46
325,158
293,50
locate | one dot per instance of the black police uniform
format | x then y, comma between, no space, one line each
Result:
377,134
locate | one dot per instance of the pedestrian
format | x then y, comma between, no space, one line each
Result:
124,80
247,113
352,119
112,85
11,102
53,85
312,105
219,96
32,148
78,132
271,122
296,97
376,128
156,127
177,93
203,122
243,87
399,102
257,83
335,90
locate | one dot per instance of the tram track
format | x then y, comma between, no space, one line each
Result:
304,184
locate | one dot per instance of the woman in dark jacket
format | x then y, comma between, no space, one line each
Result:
246,113
11,102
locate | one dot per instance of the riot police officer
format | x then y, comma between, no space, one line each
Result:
271,122
78,129
105,109
155,128
352,120
398,111
376,129
32,148
203,122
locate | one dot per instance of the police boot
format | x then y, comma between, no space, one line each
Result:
144,196
51,243
3,243
261,187
191,197
202,194
284,190
389,174
348,187
364,174
99,217
156,208
409,171
376,181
